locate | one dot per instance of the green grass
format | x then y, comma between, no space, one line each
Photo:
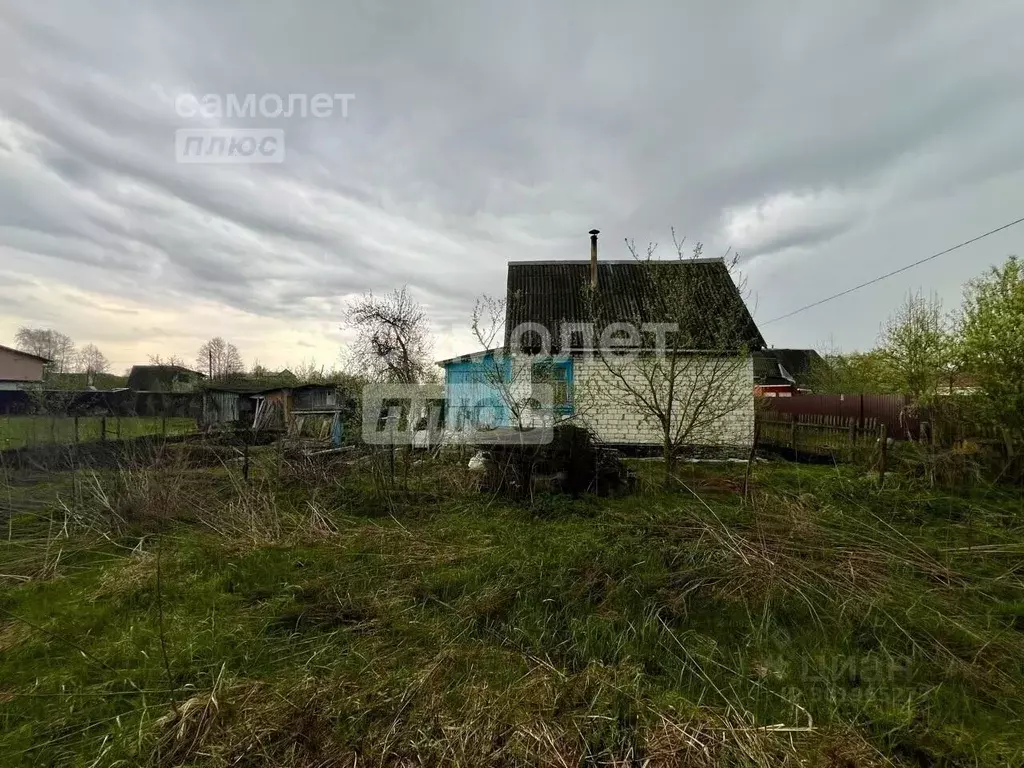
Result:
315,617
20,431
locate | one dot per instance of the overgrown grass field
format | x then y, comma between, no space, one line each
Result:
21,431
329,615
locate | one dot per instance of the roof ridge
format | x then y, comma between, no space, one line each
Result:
17,351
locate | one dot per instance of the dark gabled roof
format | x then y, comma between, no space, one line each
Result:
767,370
23,353
239,387
553,293
784,366
156,377
797,362
258,388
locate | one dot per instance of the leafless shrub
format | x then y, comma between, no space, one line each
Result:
252,515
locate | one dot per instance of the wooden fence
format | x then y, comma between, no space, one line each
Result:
897,412
811,436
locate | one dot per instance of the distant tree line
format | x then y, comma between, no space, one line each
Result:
74,367
974,352
61,351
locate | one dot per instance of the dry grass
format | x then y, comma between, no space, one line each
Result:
312,618
248,723
12,634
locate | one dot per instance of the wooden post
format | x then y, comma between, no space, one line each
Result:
792,435
883,441
852,429
163,425
76,430
118,422
750,460
103,428
53,429
245,460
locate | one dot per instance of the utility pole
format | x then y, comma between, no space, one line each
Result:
209,352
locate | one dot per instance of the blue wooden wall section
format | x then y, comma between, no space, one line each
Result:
472,397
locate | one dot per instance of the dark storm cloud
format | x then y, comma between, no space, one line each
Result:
825,142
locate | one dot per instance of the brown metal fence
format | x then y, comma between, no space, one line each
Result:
902,420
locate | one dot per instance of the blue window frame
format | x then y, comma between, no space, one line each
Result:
558,374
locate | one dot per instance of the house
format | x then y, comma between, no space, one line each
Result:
163,378
548,298
783,372
19,370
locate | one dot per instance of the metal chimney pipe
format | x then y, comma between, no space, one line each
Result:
593,258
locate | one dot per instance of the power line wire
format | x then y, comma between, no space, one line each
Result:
894,272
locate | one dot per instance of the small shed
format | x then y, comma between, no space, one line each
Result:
305,409
229,404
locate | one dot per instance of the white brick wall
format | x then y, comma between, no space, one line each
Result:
606,408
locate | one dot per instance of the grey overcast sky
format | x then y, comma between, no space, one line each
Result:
827,142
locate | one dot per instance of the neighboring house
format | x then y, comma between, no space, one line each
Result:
163,378
19,370
783,372
548,295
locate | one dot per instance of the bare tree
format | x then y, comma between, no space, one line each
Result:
169,360
219,358
46,342
392,337
512,379
258,371
91,360
497,369
309,372
686,372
